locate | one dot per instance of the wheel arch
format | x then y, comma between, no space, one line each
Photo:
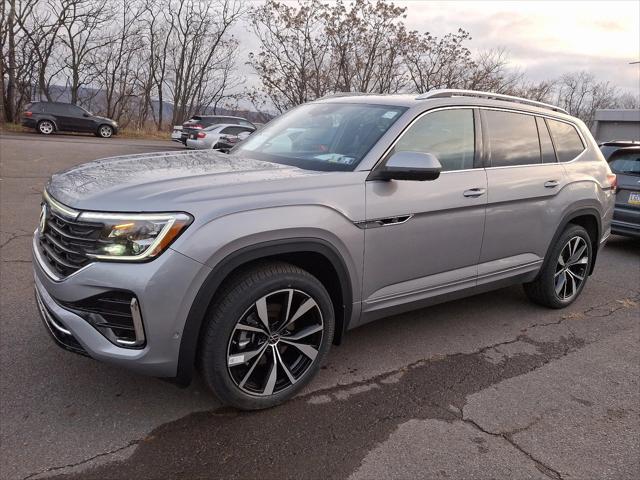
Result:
49,119
315,255
588,218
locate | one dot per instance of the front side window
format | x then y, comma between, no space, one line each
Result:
447,134
322,136
566,139
513,139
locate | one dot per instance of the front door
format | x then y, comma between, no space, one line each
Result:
423,239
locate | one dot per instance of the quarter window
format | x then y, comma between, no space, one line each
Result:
447,134
566,139
513,138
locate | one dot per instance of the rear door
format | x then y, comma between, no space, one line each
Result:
523,178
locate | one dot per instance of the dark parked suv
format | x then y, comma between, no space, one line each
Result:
198,122
624,161
49,117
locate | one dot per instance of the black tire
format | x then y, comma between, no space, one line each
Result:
46,127
236,308
104,131
544,289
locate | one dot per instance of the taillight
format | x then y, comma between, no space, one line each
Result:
612,180
196,126
201,135
28,114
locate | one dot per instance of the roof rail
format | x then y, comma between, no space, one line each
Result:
455,92
343,94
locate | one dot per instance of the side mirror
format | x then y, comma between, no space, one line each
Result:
409,166
86,115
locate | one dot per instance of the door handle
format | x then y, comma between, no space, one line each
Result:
474,192
551,184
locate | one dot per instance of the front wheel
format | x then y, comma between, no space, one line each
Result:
266,336
565,271
105,131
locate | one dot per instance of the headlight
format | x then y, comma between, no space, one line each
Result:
135,237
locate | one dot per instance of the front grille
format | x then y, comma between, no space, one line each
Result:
113,315
65,243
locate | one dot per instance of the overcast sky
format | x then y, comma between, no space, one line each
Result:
545,39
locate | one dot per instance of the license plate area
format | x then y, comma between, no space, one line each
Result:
634,198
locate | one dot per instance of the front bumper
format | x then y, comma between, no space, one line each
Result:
164,287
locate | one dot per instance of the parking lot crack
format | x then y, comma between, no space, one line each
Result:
82,462
508,437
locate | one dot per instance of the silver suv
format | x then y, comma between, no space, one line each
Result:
342,211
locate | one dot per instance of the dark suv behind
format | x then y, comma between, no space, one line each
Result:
49,117
198,122
624,160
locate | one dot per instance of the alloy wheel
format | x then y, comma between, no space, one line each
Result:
105,132
571,269
46,127
275,342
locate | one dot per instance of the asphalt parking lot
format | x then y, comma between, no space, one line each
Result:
489,387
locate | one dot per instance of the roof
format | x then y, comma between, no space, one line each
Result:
446,97
618,115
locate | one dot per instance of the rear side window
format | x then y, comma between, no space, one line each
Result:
447,134
513,138
546,147
566,139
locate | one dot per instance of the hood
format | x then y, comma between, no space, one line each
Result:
104,119
166,181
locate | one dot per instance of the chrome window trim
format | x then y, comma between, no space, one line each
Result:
482,107
550,117
418,117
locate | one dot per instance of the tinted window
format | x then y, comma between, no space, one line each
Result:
75,110
627,163
232,130
513,138
566,139
447,134
546,147
321,136
246,123
56,108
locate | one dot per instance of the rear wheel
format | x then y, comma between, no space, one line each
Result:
105,131
266,336
565,271
46,127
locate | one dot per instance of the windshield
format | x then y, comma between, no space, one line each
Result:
626,163
321,136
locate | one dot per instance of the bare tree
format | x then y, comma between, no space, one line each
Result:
293,62
581,95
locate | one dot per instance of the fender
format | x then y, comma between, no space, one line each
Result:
198,310
592,211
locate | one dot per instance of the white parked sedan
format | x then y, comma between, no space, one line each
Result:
217,136
176,133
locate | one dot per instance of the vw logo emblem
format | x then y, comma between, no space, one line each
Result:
43,219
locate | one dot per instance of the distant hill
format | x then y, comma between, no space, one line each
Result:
94,100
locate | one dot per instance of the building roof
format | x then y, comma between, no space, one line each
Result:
618,115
